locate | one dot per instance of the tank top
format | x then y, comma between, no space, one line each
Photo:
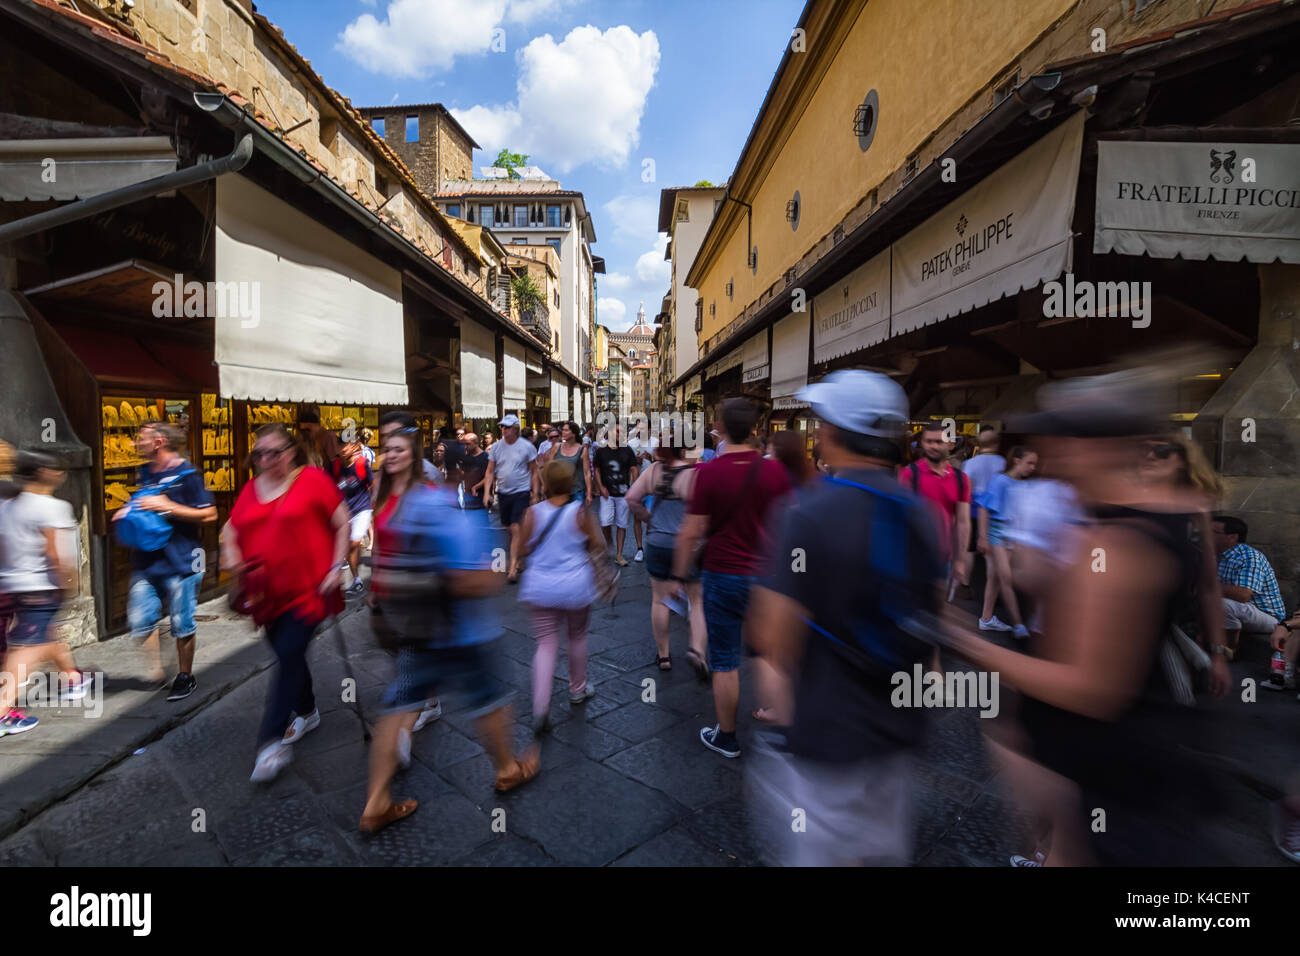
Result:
579,479
558,573
669,509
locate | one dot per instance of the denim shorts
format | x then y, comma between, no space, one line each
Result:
659,564
424,672
31,622
998,531
144,602
512,506
726,597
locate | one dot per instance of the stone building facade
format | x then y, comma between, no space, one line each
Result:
428,139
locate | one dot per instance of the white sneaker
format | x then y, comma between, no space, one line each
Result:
1021,632
588,692
993,624
404,748
640,555
428,716
300,726
1036,860
273,758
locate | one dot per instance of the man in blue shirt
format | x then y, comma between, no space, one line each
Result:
174,572
1252,601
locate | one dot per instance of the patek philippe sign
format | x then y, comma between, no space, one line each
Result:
854,313
1008,233
1228,201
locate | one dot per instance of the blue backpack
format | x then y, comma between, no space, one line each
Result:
144,530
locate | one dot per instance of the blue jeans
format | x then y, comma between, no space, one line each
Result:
291,686
424,672
144,602
726,596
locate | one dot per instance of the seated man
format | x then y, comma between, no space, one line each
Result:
1252,601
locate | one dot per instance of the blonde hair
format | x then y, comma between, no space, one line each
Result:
1199,473
557,476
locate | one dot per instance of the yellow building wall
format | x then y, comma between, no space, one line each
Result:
925,59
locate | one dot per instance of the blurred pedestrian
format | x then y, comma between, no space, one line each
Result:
512,468
561,538
997,509
616,470
948,491
287,539
38,570
353,478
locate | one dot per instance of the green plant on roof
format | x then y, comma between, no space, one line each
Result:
704,184
508,160
526,294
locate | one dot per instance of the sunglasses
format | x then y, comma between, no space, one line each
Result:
1164,451
260,453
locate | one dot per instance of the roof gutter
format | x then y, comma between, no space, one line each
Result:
1031,96
229,114
93,205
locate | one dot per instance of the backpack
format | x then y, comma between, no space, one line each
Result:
144,530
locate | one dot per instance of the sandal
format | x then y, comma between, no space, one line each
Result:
697,664
526,768
397,810
665,663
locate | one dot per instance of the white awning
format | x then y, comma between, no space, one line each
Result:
733,358
586,405
317,319
478,371
533,362
515,386
1007,234
853,314
754,358
1191,200
789,359
559,399
41,169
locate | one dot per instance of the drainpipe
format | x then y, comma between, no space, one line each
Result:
85,208
749,225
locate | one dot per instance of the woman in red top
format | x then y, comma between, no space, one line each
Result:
288,538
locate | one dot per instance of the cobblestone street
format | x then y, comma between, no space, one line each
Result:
624,781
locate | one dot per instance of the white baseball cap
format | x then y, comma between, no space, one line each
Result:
510,421
866,403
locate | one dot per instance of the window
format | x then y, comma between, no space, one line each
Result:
553,217
453,210
485,216
413,129
554,244
521,217
683,211
377,124
381,185
557,300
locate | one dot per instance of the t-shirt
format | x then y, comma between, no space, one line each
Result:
293,540
475,467
999,496
943,494
979,470
511,462
181,483
739,545
869,561
24,564
353,482
615,467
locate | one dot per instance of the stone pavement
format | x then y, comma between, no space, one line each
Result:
624,781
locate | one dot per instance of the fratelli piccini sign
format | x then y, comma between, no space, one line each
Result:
1228,201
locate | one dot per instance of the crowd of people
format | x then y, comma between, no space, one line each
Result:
831,570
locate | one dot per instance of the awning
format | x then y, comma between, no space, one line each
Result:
317,320
1007,234
789,359
41,169
586,407
515,386
733,358
478,371
559,400
532,362
854,313
754,357
1191,200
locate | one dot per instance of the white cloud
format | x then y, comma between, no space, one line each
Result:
578,101
418,37
633,216
617,281
651,266
610,312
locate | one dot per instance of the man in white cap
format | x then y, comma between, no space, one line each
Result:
512,464
854,567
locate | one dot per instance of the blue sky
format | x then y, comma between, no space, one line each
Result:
590,89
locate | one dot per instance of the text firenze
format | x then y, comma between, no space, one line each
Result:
1209,196
961,256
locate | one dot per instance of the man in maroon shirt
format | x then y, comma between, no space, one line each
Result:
947,490
729,506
